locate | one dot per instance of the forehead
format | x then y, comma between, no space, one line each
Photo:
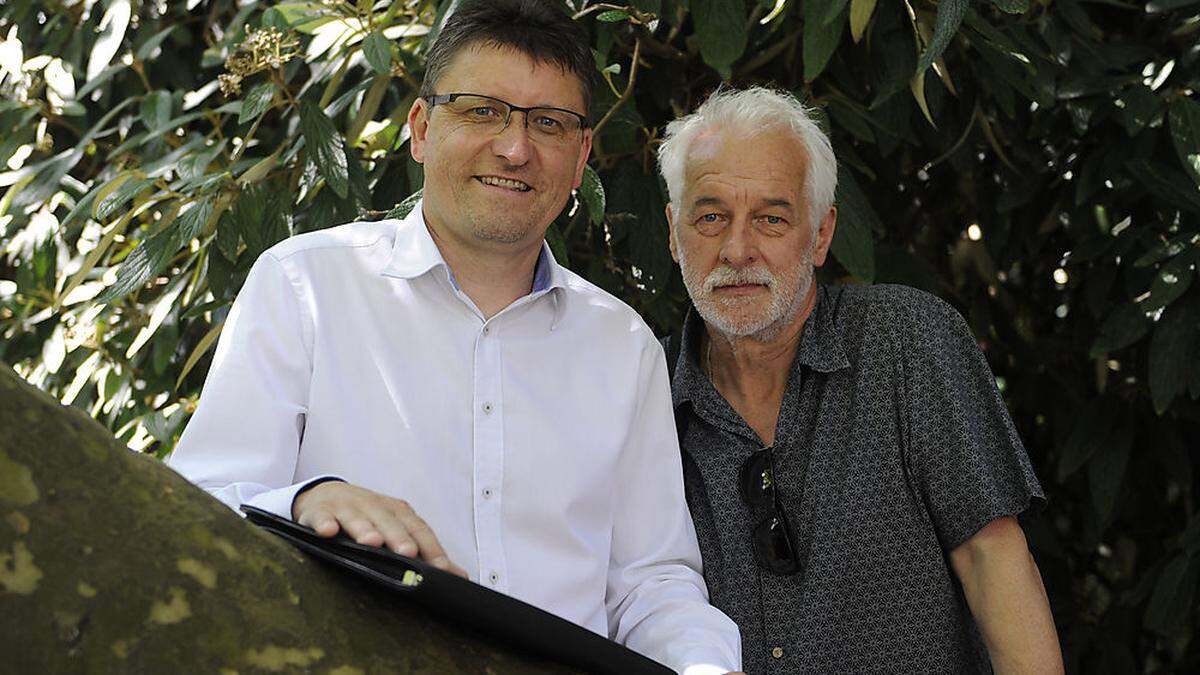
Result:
512,75
749,164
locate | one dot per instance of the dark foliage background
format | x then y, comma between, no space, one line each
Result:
1035,162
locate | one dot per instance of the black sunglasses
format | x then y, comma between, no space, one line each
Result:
772,537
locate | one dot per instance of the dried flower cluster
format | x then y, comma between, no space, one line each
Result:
264,48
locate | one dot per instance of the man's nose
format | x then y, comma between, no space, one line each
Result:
739,249
512,143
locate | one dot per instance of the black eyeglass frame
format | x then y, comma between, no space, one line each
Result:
435,100
772,539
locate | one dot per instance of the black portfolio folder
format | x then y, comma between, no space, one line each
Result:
511,621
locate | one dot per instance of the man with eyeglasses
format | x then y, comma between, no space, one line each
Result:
852,471
441,386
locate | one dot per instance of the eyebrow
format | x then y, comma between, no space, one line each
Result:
777,202
716,201
707,201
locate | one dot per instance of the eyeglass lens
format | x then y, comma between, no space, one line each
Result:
494,115
772,539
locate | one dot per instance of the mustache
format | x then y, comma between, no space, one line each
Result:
729,276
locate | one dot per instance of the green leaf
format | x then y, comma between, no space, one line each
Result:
405,207
153,254
612,16
853,242
155,109
1185,133
378,51
820,38
116,200
1092,428
721,32
161,427
1172,281
147,48
446,8
1125,326
558,245
592,192
860,16
46,180
228,238
1172,346
219,273
1165,182
260,216
1012,6
163,347
1171,604
256,102
1168,249
1106,470
112,32
324,147
1140,107
99,80
950,14
305,17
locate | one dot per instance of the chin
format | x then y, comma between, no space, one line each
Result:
500,227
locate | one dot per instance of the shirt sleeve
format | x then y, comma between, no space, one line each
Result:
656,600
242,443
968,463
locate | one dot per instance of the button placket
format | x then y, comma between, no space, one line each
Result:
488,467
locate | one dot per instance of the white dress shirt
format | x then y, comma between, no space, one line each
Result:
539,444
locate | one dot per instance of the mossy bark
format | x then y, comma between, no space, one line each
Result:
111,562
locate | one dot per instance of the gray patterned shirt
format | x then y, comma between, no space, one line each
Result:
909,451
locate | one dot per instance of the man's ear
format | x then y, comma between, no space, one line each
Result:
825,236
418,128
583,157
671,233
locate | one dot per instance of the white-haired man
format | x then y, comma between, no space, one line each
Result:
852,472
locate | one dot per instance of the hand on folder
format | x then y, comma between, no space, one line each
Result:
371,519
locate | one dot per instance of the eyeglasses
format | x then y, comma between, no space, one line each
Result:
772,536
491,116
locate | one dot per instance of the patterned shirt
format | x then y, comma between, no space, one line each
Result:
892,448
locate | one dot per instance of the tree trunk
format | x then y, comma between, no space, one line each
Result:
111,562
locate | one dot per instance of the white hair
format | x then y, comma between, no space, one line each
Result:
752,111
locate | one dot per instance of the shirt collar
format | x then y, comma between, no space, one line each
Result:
820,347
414,253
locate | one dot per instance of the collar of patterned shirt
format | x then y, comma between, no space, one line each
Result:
538,444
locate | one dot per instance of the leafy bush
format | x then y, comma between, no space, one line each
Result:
1036,164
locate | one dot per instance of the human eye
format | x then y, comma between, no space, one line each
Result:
772,223
549,124
710,223
485,111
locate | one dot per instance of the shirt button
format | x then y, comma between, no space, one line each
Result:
494,578
487,408
487,330
777,652
487,493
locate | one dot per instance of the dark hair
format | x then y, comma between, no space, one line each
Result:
537,28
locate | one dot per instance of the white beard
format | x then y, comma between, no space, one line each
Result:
736,317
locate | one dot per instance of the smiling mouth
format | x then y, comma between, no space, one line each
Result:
505,183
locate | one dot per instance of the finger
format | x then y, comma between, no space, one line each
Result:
395,535
360,527
321,521
428,546
455,569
